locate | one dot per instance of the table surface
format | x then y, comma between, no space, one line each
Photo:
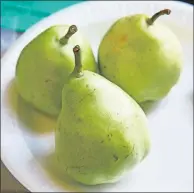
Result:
8,182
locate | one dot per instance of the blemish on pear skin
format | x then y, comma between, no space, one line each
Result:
109,136
79,119
48,80
124,38
126,156
115,157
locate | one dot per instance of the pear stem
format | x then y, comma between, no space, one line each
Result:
78,65
151,20
72,30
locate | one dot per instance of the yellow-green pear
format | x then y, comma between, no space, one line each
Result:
142,56
101,133
46,62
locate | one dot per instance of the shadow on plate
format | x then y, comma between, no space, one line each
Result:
57,176
149,106
29,117
66,183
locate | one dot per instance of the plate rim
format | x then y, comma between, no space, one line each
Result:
30,30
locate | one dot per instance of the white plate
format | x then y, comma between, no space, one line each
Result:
24,142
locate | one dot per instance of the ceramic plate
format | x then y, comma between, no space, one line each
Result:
27,136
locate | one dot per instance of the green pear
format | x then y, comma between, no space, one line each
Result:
142,56
101,133
46,62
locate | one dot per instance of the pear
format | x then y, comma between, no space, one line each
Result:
142,56
46,62
101,133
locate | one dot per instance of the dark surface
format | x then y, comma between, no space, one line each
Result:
191,2
9,183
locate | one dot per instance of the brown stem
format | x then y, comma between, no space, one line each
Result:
71,31
78,65
151,20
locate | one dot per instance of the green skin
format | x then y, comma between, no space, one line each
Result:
44,65
145,60
102,132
